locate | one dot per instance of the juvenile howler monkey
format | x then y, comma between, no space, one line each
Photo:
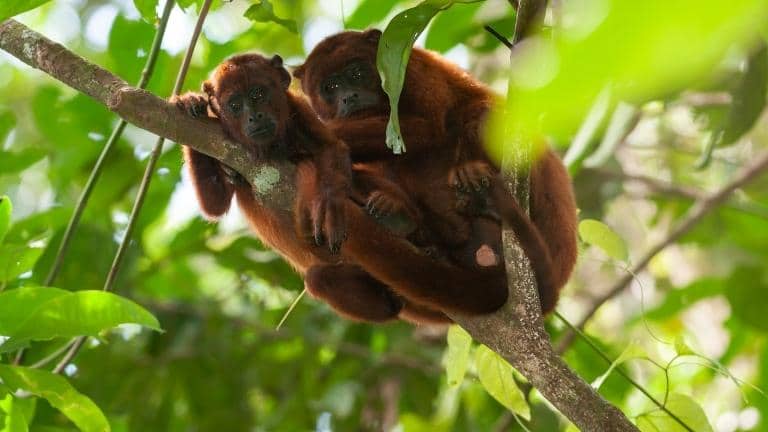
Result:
441,112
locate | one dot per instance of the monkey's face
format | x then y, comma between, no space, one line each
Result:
354,89
340,76
249,97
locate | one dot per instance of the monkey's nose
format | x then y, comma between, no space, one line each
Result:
256,117
350,98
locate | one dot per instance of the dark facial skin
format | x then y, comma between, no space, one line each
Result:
250,101
352,90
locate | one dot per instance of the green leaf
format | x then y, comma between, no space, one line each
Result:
18,413
601,235
749,96
6,207
14,162
682,348
623,120
584,141
7,123
34,313
746,294
395,48
261,11
10,8
147,9
457,354
684,408
595,46
497,376
369,12
452,27
59,393
16,260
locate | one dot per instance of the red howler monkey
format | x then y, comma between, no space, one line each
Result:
249,95
441,111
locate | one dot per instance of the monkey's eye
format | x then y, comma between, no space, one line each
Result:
356,73
257,94
331,86
235,106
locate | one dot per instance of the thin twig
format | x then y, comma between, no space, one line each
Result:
694,215
117,132
620,372
144,186
498,36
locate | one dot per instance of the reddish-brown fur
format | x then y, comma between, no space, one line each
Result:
441,113
322,181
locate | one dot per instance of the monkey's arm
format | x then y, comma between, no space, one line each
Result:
366,137
331,184
214,191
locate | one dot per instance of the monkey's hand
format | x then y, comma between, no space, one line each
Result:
194,104
323,220
396,214
382,204
233,177
472,175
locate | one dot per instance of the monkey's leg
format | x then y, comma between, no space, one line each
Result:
352,293
385,200
419,314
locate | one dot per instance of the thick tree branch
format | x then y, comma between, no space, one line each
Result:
516,331
695,214
145,110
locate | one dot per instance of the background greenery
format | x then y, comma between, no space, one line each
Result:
693,120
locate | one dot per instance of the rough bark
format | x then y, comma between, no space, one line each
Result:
516,331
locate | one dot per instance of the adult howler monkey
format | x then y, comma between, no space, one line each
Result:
441,112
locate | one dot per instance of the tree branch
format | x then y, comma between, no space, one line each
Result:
516,331
695,214
529,13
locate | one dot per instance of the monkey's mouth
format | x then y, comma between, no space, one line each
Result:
356,109
262,130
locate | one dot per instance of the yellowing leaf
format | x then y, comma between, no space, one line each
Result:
684,408
601,235
457,354
497,377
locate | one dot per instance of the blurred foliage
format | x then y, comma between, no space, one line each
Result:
686,91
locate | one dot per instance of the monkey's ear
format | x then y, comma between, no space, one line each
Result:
372,35
276,61
299,72
285,77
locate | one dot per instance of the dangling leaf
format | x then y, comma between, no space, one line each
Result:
262,12
497,376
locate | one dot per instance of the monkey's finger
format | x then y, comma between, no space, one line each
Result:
464,179
335,226
318,221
